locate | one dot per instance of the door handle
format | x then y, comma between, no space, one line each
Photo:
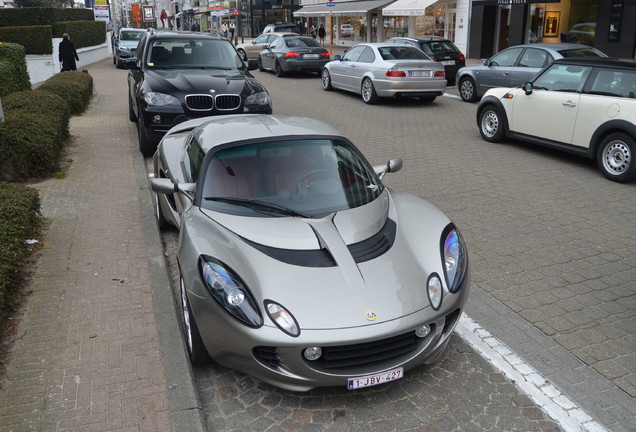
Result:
569,103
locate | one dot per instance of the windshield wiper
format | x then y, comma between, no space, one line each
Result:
254,204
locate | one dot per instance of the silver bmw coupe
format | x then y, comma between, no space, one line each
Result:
297,265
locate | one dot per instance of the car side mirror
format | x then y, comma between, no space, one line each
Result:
252,64
266,47
487,62
527,87
130,63
166,186
337,57
394,165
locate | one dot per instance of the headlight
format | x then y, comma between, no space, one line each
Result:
260,98
122,48
434,291
282,318
454,257
229,291
160,99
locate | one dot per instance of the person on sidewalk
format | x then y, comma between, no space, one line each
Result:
322,33
232,30
224,29
313,31
67,54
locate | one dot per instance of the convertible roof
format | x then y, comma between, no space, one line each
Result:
218,130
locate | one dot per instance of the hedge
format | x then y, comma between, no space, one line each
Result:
36,16
42,102
83,33
20,220
35,39
12,64
75,87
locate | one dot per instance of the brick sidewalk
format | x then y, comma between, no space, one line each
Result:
87,354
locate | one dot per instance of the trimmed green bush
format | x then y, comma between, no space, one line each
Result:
28,146
19,221
75,87
83,33
35,39
12,64
34,16
42,102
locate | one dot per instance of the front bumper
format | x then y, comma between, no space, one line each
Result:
275,358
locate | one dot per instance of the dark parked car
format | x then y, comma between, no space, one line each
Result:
178,76
125,44
516,65
437,49
293,53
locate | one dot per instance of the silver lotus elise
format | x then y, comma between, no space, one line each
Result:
298,266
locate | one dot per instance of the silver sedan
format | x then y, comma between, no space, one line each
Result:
376,70
297,265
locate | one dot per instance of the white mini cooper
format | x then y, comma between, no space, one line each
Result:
584,106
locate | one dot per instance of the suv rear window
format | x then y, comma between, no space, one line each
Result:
436,48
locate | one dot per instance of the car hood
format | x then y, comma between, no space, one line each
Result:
200,81
391,281
128,44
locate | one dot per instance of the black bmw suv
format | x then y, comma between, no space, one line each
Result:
438,49
178,76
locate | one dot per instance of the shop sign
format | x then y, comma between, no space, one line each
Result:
135,10
101,13
510,2
616,15
149,13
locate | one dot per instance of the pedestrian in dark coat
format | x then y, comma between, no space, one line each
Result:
68,55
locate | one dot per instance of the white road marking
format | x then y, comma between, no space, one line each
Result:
450,95
558,406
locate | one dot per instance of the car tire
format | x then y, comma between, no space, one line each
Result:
491,124
242,54
278,70
114,60
260,65
427,99
467,89
369,96
196,350
615,157
118,63
326,80
145,146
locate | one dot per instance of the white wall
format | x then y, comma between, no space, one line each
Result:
43,67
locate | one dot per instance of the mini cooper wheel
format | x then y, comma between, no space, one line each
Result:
369,95
326,80
467,90
615,157
196,350
491,125
278,70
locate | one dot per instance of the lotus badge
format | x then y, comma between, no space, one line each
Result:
370,315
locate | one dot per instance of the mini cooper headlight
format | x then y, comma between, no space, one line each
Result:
283,319
258,99
434,291
229,291
454,256
160,99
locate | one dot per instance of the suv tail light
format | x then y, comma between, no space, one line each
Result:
461,58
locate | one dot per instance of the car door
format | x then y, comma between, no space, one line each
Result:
361,67
135,78
342,71
257,45
497,71
530,63
551,110
268,57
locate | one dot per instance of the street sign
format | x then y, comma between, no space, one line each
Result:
330,3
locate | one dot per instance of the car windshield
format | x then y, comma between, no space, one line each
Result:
401,53
194,53
581,52
307,178
131,35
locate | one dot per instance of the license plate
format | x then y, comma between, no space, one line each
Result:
448,62
310,55
420,74
373,380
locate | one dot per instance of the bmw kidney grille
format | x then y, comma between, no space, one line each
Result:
203,102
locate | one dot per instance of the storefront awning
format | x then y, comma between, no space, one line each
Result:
407,8
353,8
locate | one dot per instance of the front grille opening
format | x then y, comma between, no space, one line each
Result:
267,355
451,320
199,102
227,102
365,354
